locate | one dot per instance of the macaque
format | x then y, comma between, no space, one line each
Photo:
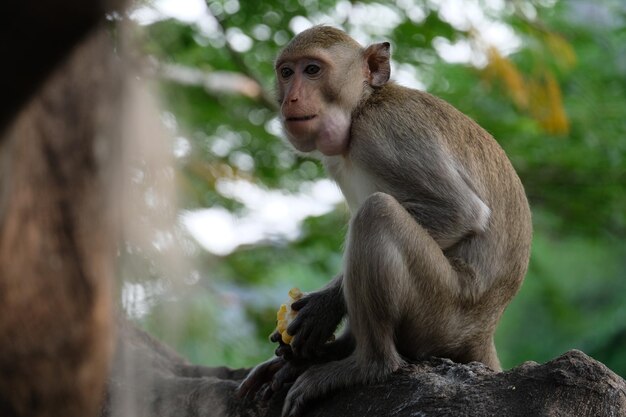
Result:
440,228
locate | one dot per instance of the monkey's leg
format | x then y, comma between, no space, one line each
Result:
395,273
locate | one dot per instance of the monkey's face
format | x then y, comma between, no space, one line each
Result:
321,76
313,109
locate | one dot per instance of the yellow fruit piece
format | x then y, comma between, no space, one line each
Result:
295,293
282,312
285,315
282,326
286,337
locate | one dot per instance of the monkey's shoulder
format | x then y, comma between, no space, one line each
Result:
412,117
396,103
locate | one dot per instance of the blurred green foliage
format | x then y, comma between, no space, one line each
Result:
556,103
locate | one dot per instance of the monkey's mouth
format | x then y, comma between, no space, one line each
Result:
300,118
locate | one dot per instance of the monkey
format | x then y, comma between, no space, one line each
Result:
438,241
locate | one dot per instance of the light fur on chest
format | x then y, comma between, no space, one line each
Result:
355,183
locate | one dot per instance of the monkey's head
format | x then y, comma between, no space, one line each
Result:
322,76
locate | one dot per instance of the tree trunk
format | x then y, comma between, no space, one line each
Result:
58,156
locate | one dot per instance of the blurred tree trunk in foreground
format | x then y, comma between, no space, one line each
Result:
58,155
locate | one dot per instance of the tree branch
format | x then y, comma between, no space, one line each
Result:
218,82
237,58
165,385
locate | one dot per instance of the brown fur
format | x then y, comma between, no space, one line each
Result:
322,37
439,238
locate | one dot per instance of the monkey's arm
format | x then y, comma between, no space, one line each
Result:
319,314
448,207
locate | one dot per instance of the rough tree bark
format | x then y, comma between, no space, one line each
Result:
58,156
151,380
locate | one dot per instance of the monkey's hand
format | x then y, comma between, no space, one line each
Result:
319,314
283,350
270,377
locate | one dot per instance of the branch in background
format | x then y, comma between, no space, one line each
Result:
217,82
237,58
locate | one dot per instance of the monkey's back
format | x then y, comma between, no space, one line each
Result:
414,129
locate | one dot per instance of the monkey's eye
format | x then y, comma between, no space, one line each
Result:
286,72
312,69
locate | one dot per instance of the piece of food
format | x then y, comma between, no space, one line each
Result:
286,315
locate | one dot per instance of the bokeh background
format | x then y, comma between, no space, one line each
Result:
547,78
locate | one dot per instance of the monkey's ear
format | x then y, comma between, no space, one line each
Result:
377,58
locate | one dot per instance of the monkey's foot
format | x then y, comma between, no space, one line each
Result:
319,380
312,384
